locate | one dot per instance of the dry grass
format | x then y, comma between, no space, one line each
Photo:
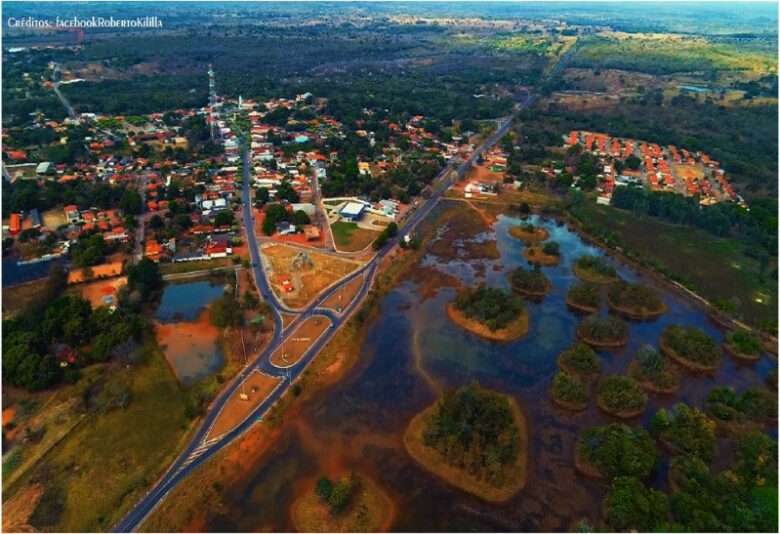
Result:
300,340
257,386
308,280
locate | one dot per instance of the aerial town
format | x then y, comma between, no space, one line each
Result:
377,267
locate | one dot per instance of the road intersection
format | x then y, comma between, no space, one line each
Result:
202,447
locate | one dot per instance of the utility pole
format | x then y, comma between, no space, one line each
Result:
212,101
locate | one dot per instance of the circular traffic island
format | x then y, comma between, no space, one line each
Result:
635,301
654,371
685,430
489,313
584,297
580,360
743,345
352,503
569,392
691,348
621,396
530,283
475,439
615,450
603,332
529,233
595,269
548,254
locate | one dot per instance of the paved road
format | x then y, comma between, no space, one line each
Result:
200,448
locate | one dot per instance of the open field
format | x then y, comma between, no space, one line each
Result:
104,270
103,466
302,338
350,238
53,219
713,267
666,53
257,386
16,298
200,265
95,292
309,272
340,299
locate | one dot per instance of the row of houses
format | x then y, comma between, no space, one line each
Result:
660,168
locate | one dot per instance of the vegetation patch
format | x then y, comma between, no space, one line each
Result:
548,254
529,282
615,450
635,301
596,270
691,348
621,396
632,506
685,430
653,371
603,331
475,439
584,297
489,313
568,391
742,498
738,412
529,233
743,345
353,503
580,360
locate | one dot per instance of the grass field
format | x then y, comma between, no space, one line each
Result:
190,266
713,267
103,466
665,54
350,238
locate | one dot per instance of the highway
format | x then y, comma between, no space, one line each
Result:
200,448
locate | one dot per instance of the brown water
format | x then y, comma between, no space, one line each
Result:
413,351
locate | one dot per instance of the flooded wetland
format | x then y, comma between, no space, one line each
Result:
413,351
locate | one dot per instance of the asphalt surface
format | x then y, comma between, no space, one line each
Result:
199,448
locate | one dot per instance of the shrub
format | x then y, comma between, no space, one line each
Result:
635,297
493,307
606,330
744,342
584,294
580,360
691,344
528,281
630,505
687,430
596,265
552,248
651,366
569,389
621,394
618,450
